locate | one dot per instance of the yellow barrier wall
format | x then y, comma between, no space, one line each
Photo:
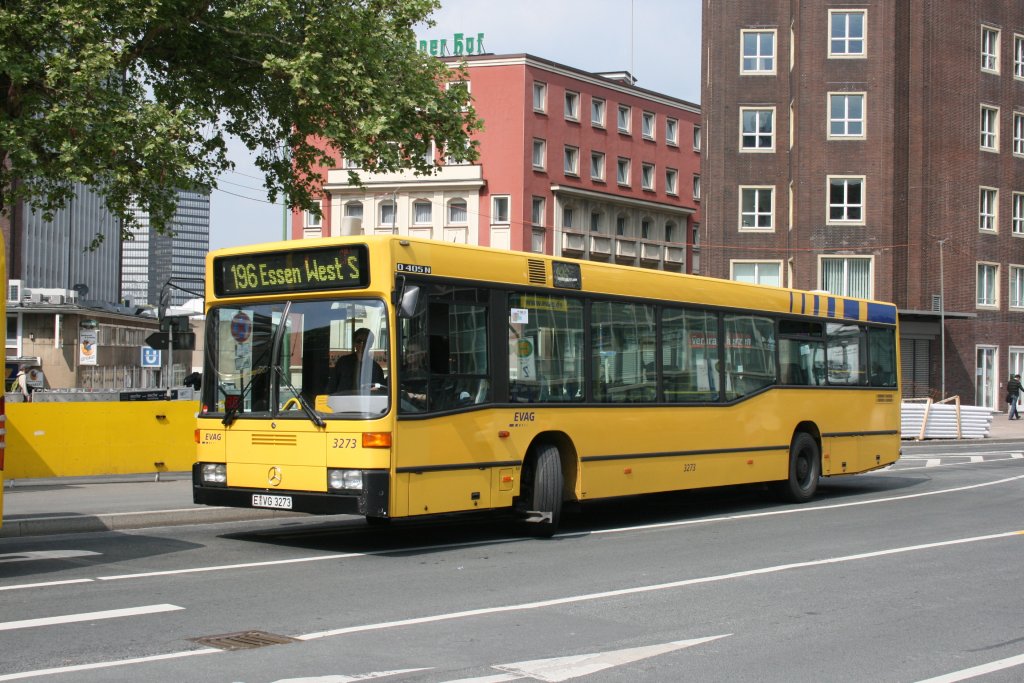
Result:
91,438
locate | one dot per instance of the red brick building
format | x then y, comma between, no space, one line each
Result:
571,163
856,146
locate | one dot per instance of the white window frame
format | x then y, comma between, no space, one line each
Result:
627,127
598,110
415,215
537,207
597,163
572,105
1016,288
450,217
846,261
647,176
311,220
988,209
758,212
540,149
496,211
671,131
672,181
847,39
756,134
756,62
989,49
844,118
540,97
988,128
696,138
1018,56
1018,134
991,282
569,216
381,220
1017,214
758,265
846,206
696,187
623,168
648,125
571,160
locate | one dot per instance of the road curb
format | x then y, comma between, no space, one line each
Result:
14,527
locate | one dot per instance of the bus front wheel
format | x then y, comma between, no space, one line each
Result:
804,470
545,502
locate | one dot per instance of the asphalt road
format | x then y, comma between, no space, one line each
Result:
908,574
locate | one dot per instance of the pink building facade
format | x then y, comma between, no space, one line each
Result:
571,163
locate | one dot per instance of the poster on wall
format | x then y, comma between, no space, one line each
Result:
87,347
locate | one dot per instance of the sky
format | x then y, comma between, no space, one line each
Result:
593,35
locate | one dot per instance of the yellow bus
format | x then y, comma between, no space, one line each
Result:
395,377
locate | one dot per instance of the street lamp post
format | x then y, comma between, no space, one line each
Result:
942,317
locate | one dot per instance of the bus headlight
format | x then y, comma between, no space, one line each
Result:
215,473
345,480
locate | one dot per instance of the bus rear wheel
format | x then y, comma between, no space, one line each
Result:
804,470
544,510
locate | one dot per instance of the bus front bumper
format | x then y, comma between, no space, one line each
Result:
371,501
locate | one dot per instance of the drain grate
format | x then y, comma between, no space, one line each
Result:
244,640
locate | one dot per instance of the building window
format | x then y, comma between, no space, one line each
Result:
671,181
989,49
647,125
845,200
1018,57
540,97
846,276
696,138
696,186
757,130
1016,286
354,210
670,232
313,220
537,242
568,217
672,131
622,226
422,212
457,214
500,209
622,171
596,221
757,272
988,209
387,213
539,154
756,208
571,156
758,52
988,285
1018,133
537,212
623,120
647,176
572,105
1018,214
349,164
990,128
846,33
597,166
646,228
846,115
597,112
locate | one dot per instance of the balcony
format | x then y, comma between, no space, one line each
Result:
600,245
573,242
676,255
650,252
625,249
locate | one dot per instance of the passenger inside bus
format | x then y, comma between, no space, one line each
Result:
357,372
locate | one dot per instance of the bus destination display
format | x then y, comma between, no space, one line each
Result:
291,271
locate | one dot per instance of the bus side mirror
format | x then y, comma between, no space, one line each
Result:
408,297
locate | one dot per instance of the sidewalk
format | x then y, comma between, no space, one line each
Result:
36,507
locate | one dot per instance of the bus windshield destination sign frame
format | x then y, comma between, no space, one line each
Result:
301,270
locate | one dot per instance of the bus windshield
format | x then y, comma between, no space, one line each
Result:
302,359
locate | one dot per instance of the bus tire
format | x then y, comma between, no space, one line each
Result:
804,470
545,506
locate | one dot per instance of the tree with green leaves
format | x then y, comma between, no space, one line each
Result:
137,99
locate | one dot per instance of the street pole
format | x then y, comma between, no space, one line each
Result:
942,316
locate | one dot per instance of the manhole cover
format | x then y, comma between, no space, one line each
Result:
244,640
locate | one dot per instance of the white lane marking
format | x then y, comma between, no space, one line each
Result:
88,616
977,458
932,462
45,584
105,665
575,666
1016,456
36,555
586,597
222,567
892,468
975,671
341,678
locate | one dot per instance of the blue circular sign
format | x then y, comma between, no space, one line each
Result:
241,327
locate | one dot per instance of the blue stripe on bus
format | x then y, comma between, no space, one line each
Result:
831,307
803,303
880,313
791,302
817,302
851,309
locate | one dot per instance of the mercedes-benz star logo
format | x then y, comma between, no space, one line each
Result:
274,476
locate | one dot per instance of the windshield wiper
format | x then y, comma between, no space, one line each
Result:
306,408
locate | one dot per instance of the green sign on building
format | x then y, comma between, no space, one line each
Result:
462,44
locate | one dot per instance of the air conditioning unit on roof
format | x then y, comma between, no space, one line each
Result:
56,298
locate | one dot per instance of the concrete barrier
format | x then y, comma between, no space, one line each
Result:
99,438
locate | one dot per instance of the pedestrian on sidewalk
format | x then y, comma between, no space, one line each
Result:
1012,394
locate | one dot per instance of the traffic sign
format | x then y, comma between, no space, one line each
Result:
183,341
151,357
159,340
